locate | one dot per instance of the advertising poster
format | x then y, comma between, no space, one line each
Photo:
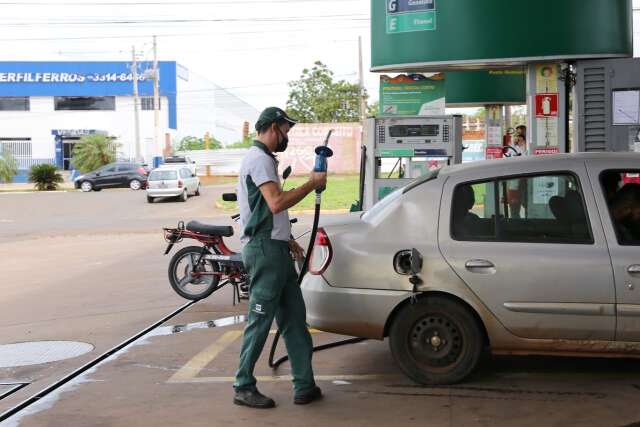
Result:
345,142
547,78
547,132
412,95
544,188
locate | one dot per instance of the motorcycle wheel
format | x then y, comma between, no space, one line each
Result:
183,263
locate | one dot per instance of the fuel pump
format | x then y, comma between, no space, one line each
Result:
401,149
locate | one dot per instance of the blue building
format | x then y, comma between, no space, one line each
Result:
46,107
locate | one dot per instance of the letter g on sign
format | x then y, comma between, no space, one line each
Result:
392,6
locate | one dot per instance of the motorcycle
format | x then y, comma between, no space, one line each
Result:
195,272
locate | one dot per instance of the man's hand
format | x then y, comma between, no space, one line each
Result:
318,180
296,250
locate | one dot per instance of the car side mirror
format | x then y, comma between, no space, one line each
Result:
193,175
97,173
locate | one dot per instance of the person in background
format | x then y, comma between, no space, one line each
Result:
625,211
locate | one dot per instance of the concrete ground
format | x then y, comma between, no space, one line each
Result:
89,268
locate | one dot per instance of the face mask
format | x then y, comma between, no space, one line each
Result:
283,143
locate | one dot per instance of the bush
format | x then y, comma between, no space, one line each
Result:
45,177
8,166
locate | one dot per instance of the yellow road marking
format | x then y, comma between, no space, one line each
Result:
189,372
202,359
277,378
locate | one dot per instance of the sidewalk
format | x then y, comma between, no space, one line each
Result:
65,186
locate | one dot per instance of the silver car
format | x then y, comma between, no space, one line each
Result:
535,255
172,181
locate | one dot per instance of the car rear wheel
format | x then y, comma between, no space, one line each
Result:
184,196
436,341
135,184
86,186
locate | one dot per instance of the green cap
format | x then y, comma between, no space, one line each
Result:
273,114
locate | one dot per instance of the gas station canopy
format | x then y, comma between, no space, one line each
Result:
438,35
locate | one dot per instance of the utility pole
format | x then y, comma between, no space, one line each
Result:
136,106
363,101
156,99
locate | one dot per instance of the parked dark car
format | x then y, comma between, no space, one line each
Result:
119,174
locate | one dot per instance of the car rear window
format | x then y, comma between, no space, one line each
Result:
163,176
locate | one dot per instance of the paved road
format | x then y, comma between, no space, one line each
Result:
89,268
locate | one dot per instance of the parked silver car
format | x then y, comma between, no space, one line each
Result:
535,255
172,181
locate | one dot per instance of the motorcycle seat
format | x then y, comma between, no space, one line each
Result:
213,230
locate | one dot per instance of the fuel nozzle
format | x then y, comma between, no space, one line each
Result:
322,153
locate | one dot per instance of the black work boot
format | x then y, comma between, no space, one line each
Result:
253,399
308,397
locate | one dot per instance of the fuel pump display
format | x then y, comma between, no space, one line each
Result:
401,149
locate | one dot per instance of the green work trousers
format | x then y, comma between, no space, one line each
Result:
274,292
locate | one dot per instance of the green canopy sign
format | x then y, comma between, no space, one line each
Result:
488,33
405,16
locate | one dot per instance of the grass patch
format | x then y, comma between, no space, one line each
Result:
217,180
341,193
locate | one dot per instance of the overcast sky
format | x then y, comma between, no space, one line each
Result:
252,47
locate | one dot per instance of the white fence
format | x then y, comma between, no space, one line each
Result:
223,162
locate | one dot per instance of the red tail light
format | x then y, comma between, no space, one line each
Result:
321,254
180,184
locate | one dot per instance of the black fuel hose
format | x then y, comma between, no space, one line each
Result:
303,271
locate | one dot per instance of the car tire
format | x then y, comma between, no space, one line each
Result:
197,193
436,341
86,186
149,199
184,196
135,184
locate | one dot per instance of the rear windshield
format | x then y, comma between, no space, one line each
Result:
163,176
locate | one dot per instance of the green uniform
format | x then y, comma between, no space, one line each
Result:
273,291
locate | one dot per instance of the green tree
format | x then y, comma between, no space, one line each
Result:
193,143
8,166
46,177
317,98
373,110
244,143
94,151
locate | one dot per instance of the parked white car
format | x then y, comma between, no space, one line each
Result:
181,161
172,181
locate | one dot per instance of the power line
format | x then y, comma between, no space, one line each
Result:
157,3
191,20
132,36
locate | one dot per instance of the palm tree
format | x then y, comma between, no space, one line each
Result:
8,166
93,151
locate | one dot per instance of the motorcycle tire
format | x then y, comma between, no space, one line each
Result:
180,274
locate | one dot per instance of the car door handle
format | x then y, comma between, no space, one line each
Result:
633,269
478,263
